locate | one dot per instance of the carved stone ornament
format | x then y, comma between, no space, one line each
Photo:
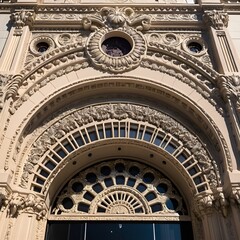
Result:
120,112
206,203
119,17
216,19
116,64
21,19
18,204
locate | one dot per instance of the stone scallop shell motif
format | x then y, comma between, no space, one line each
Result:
105,62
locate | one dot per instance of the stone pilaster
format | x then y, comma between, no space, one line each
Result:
225,57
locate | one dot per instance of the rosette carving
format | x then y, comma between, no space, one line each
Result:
116,64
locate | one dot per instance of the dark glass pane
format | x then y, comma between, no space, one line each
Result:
76,231
147,136
108,182
141,187
181,158
108,133
50,165
115,131
83,207
172,204
119,231
157,140
170,148
156,207
57,231
40,181
77,187
93,136
120,180
91,177
197,180
162,188
85,137
131,182
134,171
88,196
69,147
150,196
105,170
148,177
192,171
122,132
97,188
61,153
67,203
133,133
37,189
100,132
79,141
170,231
44,173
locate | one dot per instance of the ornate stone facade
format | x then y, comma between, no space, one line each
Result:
119,111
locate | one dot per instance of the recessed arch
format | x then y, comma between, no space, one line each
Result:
121,122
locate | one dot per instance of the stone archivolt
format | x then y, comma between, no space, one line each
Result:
67,124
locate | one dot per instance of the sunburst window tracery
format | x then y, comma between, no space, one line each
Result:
119,187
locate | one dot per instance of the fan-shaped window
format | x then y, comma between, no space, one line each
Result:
122,190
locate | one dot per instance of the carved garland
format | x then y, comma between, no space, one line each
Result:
120,111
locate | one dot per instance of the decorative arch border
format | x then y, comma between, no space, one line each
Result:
72,57
118,121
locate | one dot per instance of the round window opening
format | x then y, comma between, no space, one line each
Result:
116,46
42,47
195,47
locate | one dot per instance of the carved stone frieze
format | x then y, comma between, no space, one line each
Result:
235,196
20,203
22,18
121,111
216,19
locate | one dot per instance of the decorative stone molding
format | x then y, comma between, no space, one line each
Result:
12,87
116,64
4,196
3,81
120,112
22,18
19,203
216,19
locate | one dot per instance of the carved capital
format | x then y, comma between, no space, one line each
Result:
30,203
4,196
203,204
216,19
21,19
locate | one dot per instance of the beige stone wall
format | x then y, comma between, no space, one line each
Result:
234,30
4,21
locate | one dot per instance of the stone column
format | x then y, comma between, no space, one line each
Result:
17,42
224,53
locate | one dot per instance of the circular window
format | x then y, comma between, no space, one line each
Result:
42,47
195,47
42,44
116,46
